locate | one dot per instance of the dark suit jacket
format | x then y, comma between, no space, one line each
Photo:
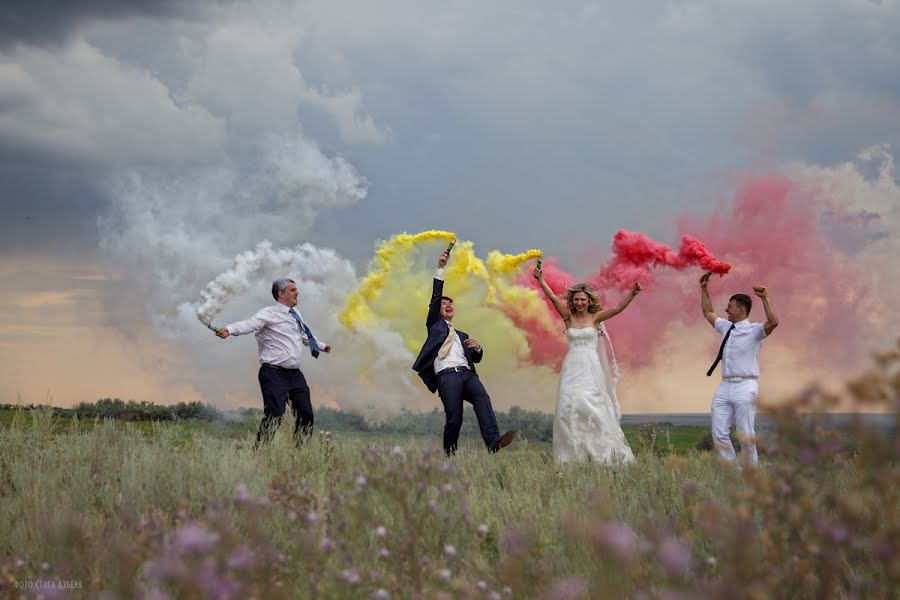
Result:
437,333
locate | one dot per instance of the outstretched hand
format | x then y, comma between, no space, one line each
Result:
442,261
704,280
537,273
761,291
636,288
222,333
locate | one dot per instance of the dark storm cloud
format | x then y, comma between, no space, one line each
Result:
47,22
47,207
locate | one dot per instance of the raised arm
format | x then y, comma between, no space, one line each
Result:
705,303
771,318
611,312
558,304
437,290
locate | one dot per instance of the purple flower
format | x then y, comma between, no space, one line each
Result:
383,553
674,556
445,574
380,594
351,576
398,452
449,551
483,529
839,534
361,481
567,588
481,585
311,518
242,558
619,538
515,542
241,494
327,545
380,531
193,538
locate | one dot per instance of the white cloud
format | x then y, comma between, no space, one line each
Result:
78,104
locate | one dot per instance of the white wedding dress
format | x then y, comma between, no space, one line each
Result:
586,426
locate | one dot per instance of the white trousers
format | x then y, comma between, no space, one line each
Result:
735,401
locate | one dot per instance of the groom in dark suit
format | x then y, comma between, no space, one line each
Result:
446,364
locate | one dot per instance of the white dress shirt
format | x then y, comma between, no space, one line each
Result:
740,358
457,355
278,335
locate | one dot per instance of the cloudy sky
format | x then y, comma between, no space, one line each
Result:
143,145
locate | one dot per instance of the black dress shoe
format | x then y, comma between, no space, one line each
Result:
505,440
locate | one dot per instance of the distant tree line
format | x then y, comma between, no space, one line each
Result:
533,425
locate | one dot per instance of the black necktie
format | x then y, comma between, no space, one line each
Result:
721,350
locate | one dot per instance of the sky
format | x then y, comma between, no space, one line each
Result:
145,146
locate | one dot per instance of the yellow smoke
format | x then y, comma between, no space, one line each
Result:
395,293
390,256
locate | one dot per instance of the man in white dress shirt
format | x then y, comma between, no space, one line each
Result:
735,398
281,334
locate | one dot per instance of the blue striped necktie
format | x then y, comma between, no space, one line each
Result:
313,344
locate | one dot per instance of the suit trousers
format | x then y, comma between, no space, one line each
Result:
453,388
279,386
735,401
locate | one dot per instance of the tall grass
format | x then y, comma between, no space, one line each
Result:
180,512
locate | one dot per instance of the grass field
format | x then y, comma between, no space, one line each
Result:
189,510
666,439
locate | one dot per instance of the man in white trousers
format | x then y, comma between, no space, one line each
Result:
735,398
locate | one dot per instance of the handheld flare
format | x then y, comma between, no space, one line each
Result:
450,247
213,327
539,263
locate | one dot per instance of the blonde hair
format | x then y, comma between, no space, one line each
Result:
593,299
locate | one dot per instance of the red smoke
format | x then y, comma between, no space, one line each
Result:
774,235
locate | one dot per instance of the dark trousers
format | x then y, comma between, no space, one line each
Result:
454,387
278,386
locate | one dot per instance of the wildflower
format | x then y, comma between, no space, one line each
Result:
674,556
241,494
292,516
311,517
193,538
327,544
449,551
361,482
397,451
264,501
242,558
383,553
619,538
447,488
445,574
481,585
380,594
483,529
568,587
380,531
515,542
351,576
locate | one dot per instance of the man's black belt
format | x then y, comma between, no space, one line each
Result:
279,368
453,370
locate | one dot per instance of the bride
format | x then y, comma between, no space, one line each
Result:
586,426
